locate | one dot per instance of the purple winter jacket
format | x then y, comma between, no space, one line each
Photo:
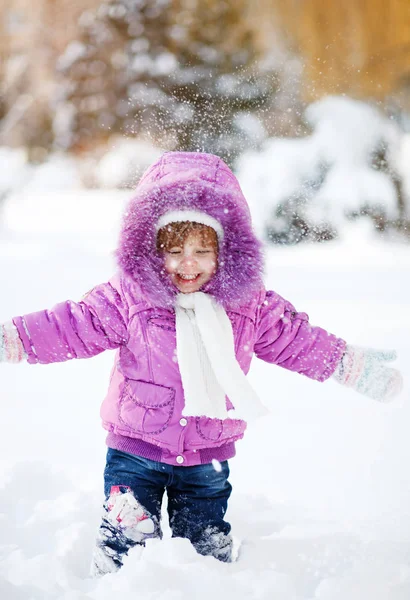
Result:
133,314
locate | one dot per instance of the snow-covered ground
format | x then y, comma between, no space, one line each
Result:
321,499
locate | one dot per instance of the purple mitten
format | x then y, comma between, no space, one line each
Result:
11,347
363,370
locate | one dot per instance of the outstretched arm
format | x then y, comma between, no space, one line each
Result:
70,329
286,338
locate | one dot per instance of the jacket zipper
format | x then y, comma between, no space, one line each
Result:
149,359
240,331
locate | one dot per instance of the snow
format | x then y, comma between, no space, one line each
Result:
17,169
321,487
124,162
250,126
402,161
348,130
328,174
73,52
321,495
63,124
59,172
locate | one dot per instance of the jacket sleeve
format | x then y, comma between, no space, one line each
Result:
76,329
286,338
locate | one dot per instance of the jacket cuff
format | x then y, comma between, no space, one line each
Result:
21,328
335,360
351,366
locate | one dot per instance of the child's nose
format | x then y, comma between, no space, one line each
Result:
188,260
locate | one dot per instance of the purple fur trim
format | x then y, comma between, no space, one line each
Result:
191,181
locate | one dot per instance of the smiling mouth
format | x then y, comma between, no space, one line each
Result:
188,278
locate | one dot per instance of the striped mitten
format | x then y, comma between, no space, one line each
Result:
11,347
363,369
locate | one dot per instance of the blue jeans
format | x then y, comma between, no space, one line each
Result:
197,503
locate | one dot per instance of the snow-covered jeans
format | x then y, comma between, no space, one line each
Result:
134,487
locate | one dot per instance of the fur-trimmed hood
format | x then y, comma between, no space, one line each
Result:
200,182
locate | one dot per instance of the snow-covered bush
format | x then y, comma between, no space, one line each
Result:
21,179
401,160
120,166
58,172
349,166
124,162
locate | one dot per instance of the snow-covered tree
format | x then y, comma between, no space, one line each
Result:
178,71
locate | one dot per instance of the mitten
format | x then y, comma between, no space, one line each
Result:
363,370
11,347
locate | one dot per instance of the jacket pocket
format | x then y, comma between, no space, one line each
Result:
146,407
166,322
217,430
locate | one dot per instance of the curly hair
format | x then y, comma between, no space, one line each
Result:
175,234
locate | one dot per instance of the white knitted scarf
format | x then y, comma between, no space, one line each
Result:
207,361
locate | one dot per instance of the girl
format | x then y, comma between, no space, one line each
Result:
185,314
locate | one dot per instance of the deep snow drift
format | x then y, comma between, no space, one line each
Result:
321,498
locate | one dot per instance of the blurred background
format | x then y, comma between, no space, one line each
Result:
307,100
309,103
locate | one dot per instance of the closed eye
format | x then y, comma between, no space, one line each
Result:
203,251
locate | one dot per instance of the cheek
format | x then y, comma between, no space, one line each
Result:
171,264
211,266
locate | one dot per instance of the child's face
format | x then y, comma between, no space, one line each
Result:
192,264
